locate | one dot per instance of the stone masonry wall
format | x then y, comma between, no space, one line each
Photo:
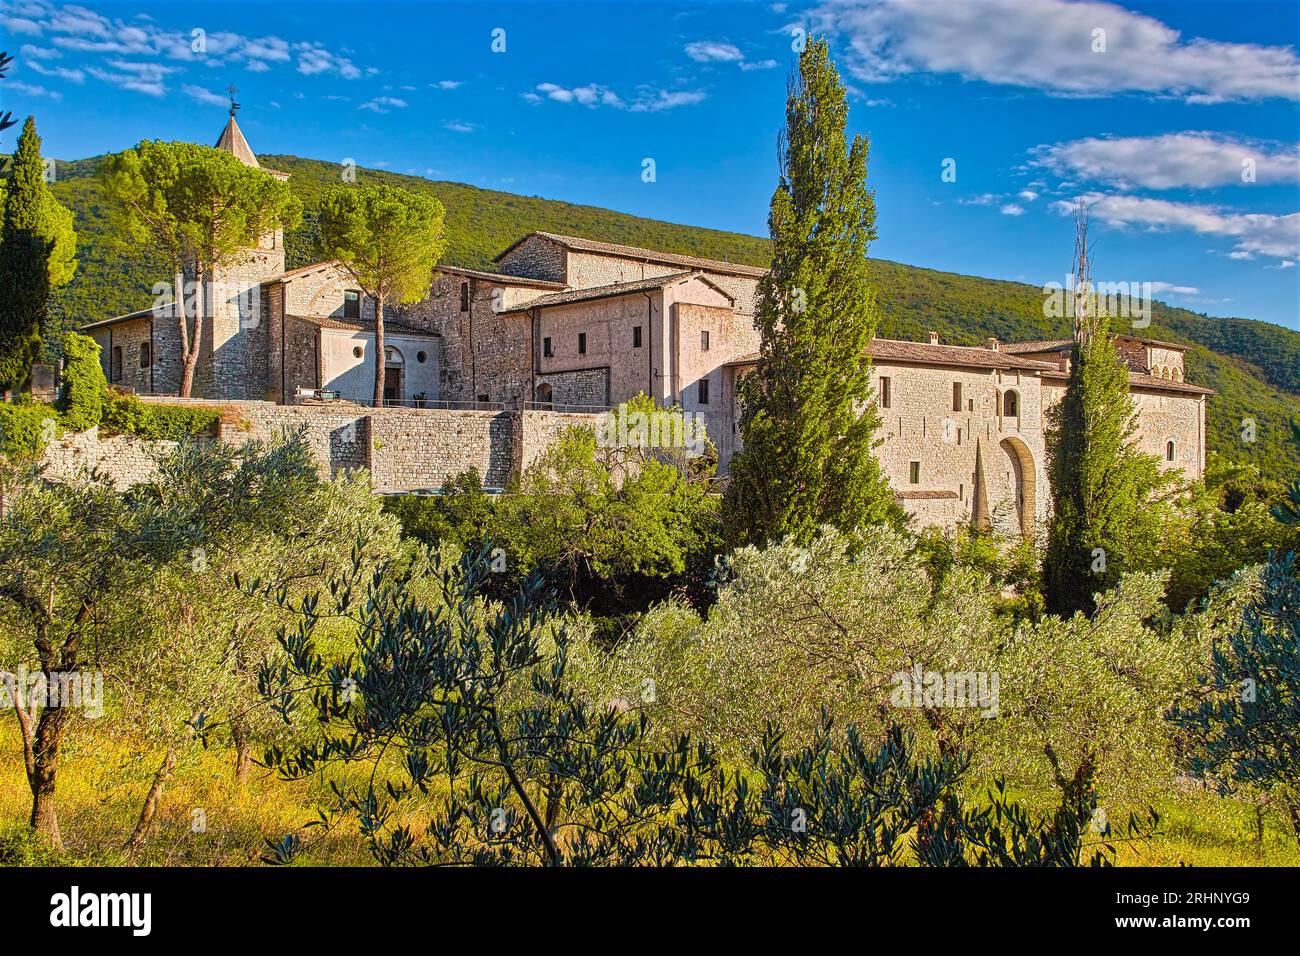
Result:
125,459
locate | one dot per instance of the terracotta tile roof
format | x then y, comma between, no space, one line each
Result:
1064,345
361,325
1143,380
501,277
607,291
161,312
300,271
895,350
922,353
1043,345
636,252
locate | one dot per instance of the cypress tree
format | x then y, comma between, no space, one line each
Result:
1100,482
24,263
808,423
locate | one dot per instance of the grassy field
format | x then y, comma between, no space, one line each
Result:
101,787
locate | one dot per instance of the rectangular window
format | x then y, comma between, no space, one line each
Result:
351,304
883,391
914,472
546,347
484,399
704,391
636,336
115,364
704,340
145,354
956,396
464,296
582,343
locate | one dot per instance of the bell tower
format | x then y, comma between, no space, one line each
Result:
232,360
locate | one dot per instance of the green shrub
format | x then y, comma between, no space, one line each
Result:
84,385
127,415
23,429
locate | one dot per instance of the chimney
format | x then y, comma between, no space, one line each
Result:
934,338
991,344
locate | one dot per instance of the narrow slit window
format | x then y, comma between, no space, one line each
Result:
464,296
914,472
546,347
884,391
704,391
636,336
582,343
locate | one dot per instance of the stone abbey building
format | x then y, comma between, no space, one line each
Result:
570,323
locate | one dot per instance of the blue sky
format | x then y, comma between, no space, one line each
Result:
1152,128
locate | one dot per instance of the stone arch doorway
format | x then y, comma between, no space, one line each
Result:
1026,483
544,393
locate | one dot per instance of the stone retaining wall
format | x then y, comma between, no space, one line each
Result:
402,448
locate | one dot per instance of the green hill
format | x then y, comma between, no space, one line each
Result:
1254,366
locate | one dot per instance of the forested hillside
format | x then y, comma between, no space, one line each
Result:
1254,366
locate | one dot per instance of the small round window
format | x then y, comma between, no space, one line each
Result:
358,351
421,356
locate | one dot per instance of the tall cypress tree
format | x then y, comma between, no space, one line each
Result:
24,263
1100,482
808,423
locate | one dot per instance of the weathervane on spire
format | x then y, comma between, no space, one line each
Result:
233,105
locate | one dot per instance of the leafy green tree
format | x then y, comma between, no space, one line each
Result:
606,515
74,553
450,733
1101,484
200,210
808,422
1247,720
38,248
389,240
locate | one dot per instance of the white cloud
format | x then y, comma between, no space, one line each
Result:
1191,159
146,78
62,72
39,53
1166,288
1011,209
590,95
1048,45
459,127
76,28
718,51
314,59
658,100
21,25
646,100
31,89
983,199
447,84
1028,195
383,104
206,97
1255,233
711,51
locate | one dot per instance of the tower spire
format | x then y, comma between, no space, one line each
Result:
233,105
